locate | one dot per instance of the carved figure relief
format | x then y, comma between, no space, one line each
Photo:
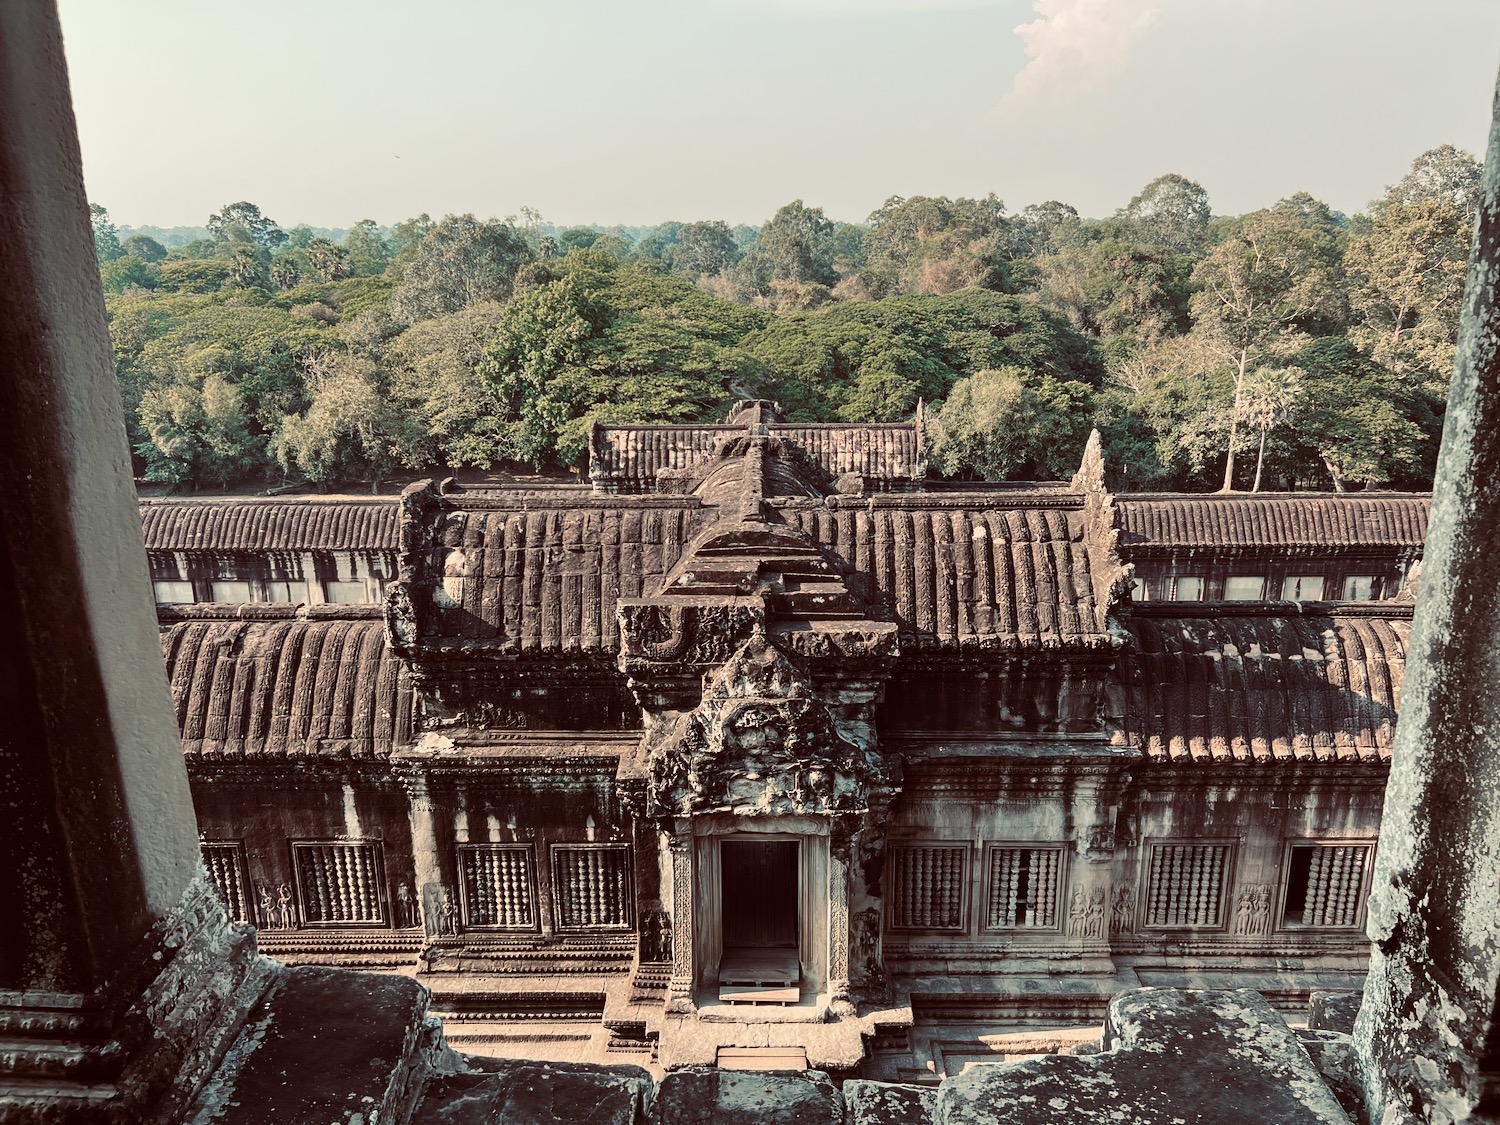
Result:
450,916
865,966
760,742
671,633
1252,915
1122,911
1086,913
656,936
406,912
278,909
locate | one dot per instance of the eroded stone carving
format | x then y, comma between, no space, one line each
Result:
1252,916
761,742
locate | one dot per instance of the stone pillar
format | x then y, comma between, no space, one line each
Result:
120,974
1429,1032
840,849
431,893
680,987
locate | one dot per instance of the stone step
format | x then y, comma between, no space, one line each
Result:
325,1045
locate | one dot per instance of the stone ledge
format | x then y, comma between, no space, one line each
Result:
325,1045
1173,1057
516,1092
707,1096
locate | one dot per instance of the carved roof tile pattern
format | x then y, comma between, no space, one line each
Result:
1335,521
1258,687
546,581
630,457
287,689
271,525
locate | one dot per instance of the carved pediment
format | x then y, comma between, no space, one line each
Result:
761,742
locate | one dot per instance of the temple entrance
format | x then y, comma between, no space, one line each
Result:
759,886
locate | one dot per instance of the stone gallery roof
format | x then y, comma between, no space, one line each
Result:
630,458
1308,520
954,573
271,525
291,687
1244,685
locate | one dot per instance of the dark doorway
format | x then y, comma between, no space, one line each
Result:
759,883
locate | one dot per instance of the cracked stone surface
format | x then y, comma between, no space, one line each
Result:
513,1092
708,1096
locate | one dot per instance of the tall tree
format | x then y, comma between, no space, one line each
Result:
704,249
1272,397
1010,423
367,251
798,241
459,261
246,216
1171,211
1407,269
106,237
1270,275
1445,174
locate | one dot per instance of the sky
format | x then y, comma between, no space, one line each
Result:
623,111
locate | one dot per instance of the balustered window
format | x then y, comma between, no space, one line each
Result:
1325,885
499,887
591,886
928,885
225,861
339,884
1185,885
1022,888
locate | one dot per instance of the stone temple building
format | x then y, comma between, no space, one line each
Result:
761,748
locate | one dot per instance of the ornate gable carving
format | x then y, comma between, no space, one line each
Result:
760,743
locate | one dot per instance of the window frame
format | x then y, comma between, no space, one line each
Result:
1226,883
1059,899
1177,579
1284,884
1260,594
1322,580
533,877
381,891
623,847
965,883
1373,579
236,847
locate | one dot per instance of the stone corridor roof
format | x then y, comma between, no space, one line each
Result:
1249,685
271,525
1309,520
955,573
288,687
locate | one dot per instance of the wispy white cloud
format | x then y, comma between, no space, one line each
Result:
1076,48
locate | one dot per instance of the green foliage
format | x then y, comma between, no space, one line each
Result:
146,248
459,261
936,245
120,274
106,237
872,361
1318,343
244,220
1009,423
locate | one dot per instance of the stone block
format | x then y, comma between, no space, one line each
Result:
1332,1052
324,1045
518,1092
888,1103
1175,1057
1333,1011
709,1096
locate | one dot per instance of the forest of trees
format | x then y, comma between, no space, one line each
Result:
1292,347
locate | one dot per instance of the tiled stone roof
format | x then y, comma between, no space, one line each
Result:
1345,520
287,688
955,574
271,525
1242,685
